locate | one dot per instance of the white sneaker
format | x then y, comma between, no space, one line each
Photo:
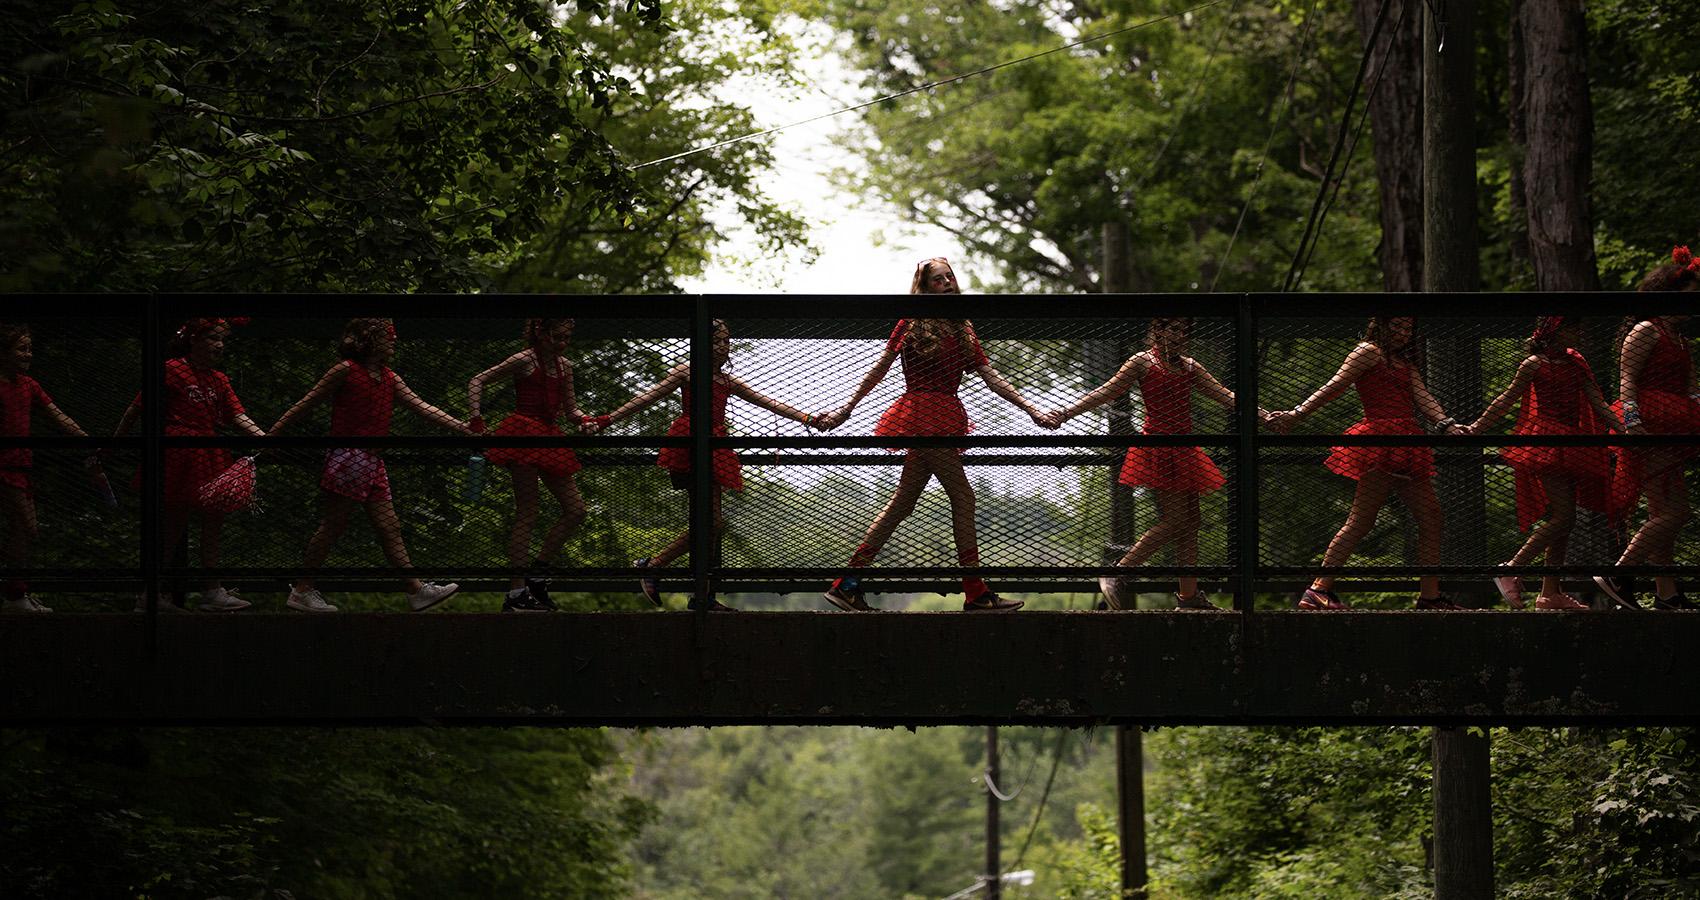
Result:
430,594
36,602
1114,591
24,604
221,600
309,600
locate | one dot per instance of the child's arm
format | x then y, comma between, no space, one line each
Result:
662,388
1003,389
329,382
874,377
569,396
1209,386
1361,358
507,368
740,388
1638,346
426,411
249,426
1601,408
1430,407
127,421
1519,384
65,423
1119,384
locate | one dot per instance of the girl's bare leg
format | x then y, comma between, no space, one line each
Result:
565,489
1552,533
525,521
1372,492
388,526
1667,512
1186,540
946,463
682,543
916,473
212,532
1425,509
334,522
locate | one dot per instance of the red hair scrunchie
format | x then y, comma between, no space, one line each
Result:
1682,256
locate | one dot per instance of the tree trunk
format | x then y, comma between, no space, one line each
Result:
1559,161
1517,67
1397,119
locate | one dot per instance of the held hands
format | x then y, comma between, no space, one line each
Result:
831,420
1052,420
1281,421
593,424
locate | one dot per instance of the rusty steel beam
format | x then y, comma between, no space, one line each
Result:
1051,668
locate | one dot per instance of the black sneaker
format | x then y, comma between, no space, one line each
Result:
1619,590
538,588
846,594
520,600
708,604
649,587
1677,602
1438,602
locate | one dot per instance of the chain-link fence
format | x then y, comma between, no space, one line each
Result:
959,444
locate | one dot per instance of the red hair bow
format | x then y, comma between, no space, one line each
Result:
1683,257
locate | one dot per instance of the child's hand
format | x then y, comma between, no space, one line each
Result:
593,424
1280,421
1051,420
831,420
476,424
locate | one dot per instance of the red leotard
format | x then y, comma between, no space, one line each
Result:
1389,403
929,405
363,405
728,471
1168,410
1556,402
17,398
540,399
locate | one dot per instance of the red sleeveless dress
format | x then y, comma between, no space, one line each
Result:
1168,410
1390,407
1557,403
17,398
929,405
1665,408
540,400
728,471
362,407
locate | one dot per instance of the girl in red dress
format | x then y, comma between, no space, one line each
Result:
543,383
1656,395
1385,369
1557,394
728,471
198,399
363,390
1177,476
935,354
19,396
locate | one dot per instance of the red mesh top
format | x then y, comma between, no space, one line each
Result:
1669,364
540,394
1168,399
17,398
1558,385
940,372
1385,391
364,404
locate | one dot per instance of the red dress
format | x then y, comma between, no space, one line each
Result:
929,405
1556,402
1168,410
196,402
363,407
541,398
1666,408
728,471
1389,408
17,398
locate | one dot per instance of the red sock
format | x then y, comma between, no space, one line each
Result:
974,587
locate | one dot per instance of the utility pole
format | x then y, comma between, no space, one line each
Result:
1463,815
994,878
1130,756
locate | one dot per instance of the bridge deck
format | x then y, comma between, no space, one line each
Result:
1054,668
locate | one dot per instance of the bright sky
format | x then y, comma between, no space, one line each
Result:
865,247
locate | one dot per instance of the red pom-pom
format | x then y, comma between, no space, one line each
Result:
476,424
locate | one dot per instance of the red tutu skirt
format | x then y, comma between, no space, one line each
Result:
924,414
1171,469
1589,467
187,470
557,461
728,471
1662,412
16,479
1404,462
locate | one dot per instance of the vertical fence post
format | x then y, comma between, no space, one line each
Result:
702,453
1245,477
153,461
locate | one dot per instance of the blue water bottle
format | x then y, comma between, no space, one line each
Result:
473,488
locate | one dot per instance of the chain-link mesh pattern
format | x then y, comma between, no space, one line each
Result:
1027,446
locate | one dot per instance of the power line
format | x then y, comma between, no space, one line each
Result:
1039,811
932,84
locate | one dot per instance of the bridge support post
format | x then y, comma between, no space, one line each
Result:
1463,816
1130,787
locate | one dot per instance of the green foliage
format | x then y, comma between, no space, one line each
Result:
313,813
